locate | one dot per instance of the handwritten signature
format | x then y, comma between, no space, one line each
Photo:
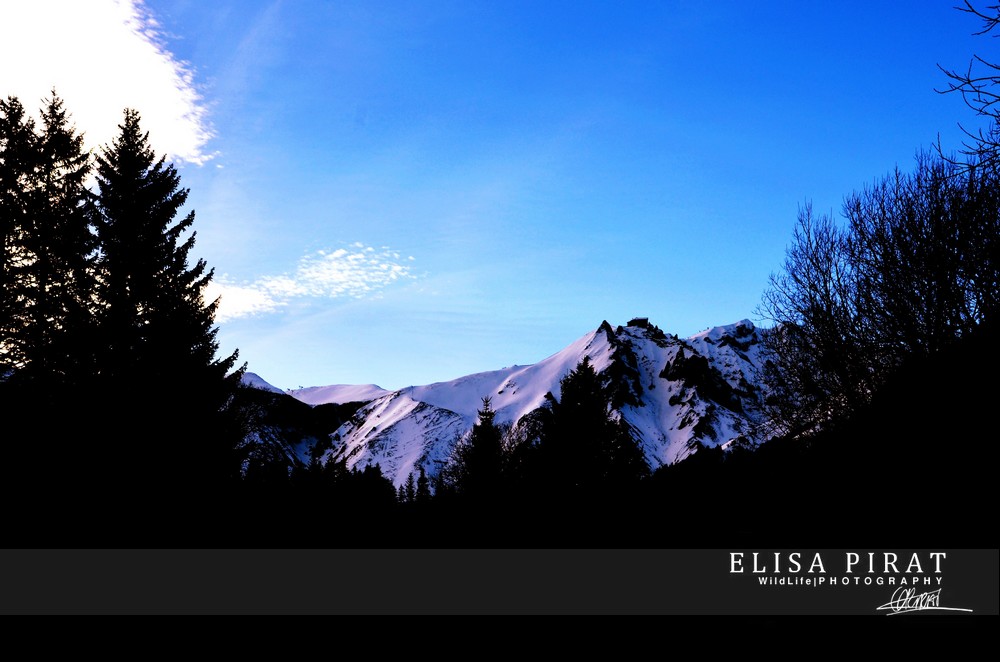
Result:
906,600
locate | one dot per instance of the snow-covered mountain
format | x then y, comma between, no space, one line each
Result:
253,380
338,394
674,393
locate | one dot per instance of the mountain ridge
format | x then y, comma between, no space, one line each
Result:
674,394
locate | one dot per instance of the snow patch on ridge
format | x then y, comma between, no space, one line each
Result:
337,394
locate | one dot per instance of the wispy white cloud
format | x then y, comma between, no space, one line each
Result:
354,272
102,56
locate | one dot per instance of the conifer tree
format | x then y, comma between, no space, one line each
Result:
18,155
410,489
476,471
47,262
582,449
46,290
61,247
423,487
158,350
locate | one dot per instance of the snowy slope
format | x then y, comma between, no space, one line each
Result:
674,393
422,424
337,394
320,395
684,401
254,380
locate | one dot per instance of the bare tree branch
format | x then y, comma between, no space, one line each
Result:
979,87
990,21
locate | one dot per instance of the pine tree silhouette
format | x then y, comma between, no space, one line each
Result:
158,355
423,487
62,249
410,489
583,450
18,157
476,471
47,282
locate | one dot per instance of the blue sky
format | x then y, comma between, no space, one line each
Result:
402,193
